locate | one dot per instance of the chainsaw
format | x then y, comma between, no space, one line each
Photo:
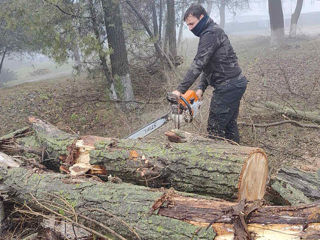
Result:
182,109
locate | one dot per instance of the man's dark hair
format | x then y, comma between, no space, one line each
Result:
195,10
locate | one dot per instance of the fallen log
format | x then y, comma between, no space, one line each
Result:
202,166
137,212
295,113
296,186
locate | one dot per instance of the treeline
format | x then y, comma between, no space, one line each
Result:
108,34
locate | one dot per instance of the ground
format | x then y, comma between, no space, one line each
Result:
289,75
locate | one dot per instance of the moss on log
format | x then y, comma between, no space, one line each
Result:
125,208
202,166
57,143
116,204
205,167
296,186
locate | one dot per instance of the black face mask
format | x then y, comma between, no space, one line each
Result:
197,30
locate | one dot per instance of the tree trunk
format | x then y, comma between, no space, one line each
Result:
116,41
295,113
160,20
2,59
202,166
294,18
210,6
171,28
77,57
183,9
222,11
102,57
276,22
296,186
155,21
136,212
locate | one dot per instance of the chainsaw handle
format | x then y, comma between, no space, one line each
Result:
188,106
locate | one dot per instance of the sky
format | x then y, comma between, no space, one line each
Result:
261,9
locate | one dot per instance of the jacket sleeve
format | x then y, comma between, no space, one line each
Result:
204,81
208,44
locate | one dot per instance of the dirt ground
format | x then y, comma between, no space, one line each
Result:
289,76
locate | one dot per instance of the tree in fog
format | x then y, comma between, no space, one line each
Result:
294,18
233,5
14,37
276,21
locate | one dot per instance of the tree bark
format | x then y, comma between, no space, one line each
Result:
160,20
296,186
222,11
102,57
2,59
137,212
276,22
294,18
171,28
116,42
210,6
183,9
295,113
155,21
202,166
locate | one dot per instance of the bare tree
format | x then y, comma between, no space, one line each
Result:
276,21
294,18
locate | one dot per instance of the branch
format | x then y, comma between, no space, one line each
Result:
295,123
156,44
63,11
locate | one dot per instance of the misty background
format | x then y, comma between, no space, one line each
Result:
253,21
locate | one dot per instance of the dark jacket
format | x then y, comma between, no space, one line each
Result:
215,58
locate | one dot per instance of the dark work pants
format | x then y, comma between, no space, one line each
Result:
224,109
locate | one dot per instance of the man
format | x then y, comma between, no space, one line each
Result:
218,63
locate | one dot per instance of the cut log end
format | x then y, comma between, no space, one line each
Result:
253,177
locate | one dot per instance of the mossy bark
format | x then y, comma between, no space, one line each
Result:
121,202
55,142
296,186
203,167
125,208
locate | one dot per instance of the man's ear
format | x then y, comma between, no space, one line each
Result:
201,16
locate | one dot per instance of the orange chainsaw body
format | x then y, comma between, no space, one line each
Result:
190,96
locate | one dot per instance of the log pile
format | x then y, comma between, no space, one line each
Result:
122,208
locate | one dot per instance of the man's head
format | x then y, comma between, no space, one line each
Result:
193,15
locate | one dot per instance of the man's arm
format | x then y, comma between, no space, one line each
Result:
208,44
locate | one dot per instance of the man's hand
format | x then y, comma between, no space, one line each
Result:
199,93
176,92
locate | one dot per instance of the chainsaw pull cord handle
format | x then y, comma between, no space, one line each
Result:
188,106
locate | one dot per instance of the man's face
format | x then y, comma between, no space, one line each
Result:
192,21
